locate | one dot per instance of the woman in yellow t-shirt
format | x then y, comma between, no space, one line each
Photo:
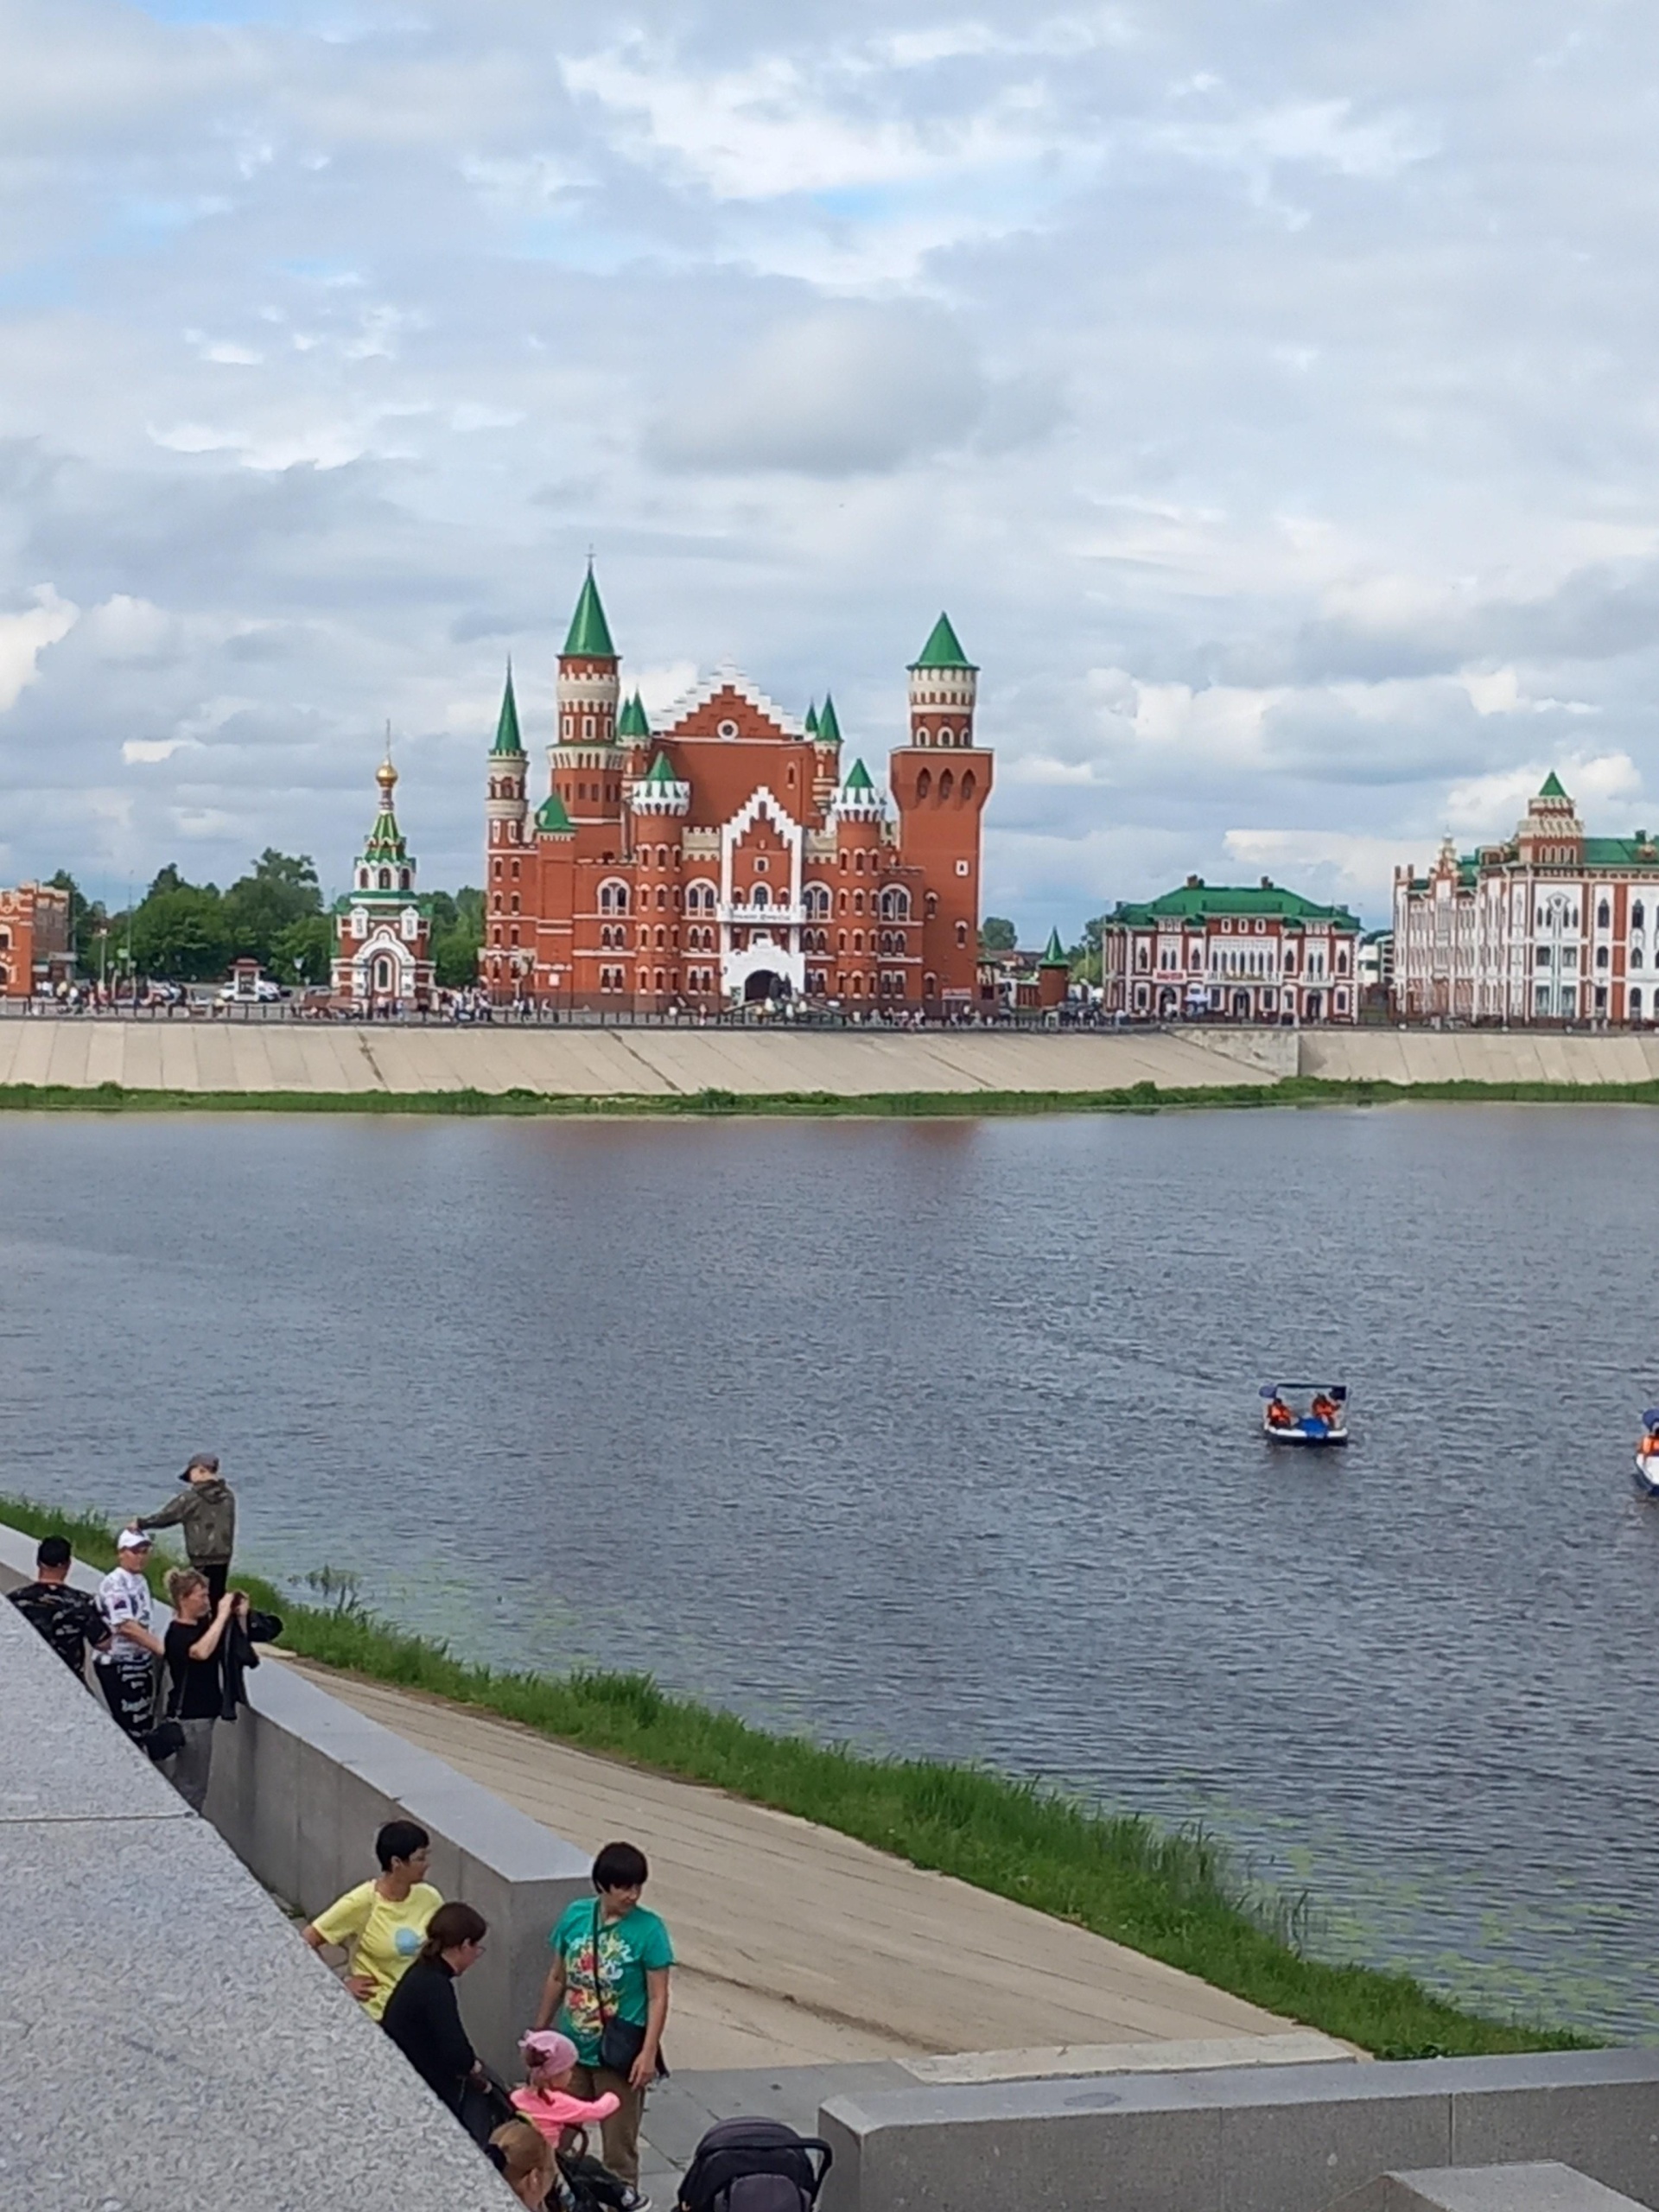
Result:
381,1924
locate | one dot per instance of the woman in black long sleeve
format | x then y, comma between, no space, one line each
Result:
422,2015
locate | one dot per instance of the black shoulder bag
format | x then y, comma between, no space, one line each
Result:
620,2042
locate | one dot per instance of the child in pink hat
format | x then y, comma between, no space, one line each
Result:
545,2101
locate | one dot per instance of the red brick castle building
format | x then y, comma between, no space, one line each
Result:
727,855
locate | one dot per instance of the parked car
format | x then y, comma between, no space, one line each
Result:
255,990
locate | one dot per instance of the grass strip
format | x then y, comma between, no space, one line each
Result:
914,1105
1174,1895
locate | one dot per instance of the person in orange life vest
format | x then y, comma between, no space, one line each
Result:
1325,1408
1279,1413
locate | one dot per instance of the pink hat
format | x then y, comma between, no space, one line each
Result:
547,2049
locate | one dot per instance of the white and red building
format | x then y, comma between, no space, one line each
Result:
383,927
1552,926
1234,955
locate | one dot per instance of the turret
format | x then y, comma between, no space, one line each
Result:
585,764
1053,973
507,807
944,691
660,792
939,801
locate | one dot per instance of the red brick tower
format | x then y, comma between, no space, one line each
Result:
940,782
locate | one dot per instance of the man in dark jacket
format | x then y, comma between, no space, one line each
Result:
206,1512
69,1620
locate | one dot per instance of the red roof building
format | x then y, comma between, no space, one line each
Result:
727,855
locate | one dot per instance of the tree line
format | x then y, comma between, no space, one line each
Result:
998,935
190,932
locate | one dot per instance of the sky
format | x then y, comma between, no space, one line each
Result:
1266,389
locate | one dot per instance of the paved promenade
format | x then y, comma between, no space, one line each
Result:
800,1947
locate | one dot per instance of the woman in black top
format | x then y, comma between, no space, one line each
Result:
422,2015
194,1648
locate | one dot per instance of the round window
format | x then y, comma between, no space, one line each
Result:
726,729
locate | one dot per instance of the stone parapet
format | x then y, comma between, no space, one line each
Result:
166,2043
301,1783
1288,2138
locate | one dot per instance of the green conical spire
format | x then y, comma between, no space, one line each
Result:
858,777
507,739
943,649
590,634
829,728
385,840
1552,786
661,772
811,723
1055,956
633,721
551,818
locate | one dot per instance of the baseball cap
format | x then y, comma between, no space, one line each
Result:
133,1540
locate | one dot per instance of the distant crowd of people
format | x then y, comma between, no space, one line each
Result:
596,2043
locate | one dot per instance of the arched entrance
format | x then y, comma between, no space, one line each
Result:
1240,1005
762,983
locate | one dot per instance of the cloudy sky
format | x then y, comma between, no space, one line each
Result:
1267,388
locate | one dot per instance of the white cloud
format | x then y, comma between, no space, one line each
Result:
1490,805
147,750
25,635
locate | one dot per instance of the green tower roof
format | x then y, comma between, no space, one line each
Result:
858,777
385,840
1055,956
943,649
507,739
829,728
661,772
590,634
1552,786
633,721
551,818
811,722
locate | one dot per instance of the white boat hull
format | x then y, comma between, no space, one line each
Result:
1646,1477
1318,1439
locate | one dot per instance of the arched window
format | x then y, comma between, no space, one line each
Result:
817,900
930,987
1601,956
932,903
402,879
895,903
858,902
967,778
946,738
613,898
947,784
362,879
1636,1005
385,879
923,783
662,855
760,896
661,939
962,933
1638,916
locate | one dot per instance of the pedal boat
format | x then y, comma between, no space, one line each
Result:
1313,1433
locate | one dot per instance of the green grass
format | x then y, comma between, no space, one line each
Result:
1174,1895
1138,1098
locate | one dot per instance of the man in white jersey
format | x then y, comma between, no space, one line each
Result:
126,1667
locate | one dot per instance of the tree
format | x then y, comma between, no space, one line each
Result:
1085,958
168,879
457,932
303,952
996,934
258,908
180,933
86,920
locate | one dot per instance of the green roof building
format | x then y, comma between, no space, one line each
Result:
1257,954
382,924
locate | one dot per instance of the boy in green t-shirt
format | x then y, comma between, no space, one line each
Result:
611,1963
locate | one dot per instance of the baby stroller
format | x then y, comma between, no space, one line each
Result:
754,2165
588,2185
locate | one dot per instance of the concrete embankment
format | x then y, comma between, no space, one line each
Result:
266,1059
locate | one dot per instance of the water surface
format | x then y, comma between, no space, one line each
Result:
940,1436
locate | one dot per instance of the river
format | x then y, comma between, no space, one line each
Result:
941,1437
